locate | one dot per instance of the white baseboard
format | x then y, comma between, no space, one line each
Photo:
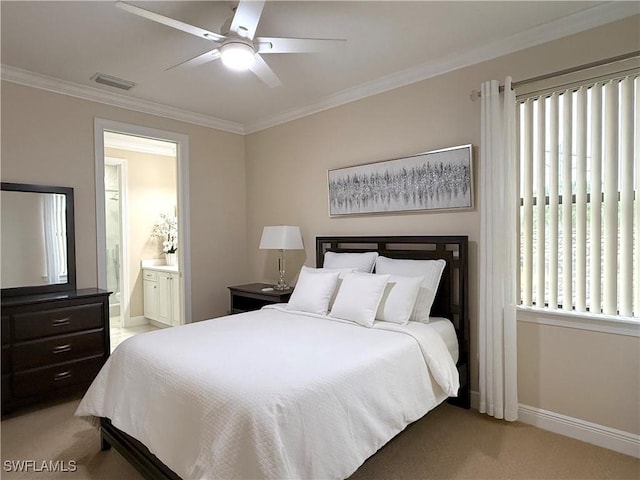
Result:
158,324
136,321
606,437
616,440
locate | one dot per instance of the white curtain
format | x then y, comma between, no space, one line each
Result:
55,236
497,250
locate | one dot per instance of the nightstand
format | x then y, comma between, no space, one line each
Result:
245,298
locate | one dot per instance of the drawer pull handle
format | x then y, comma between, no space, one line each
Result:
62,348
62,375
61,322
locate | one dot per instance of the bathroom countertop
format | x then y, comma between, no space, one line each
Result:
159,265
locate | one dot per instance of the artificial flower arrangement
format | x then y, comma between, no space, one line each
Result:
167,228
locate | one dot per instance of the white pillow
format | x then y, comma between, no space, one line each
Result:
399,299
313,290
431,270
359,297
361,262
342,272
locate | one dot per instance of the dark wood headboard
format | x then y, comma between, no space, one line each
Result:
452,296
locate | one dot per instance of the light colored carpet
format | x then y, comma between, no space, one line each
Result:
448,443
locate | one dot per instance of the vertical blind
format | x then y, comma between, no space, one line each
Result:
579,187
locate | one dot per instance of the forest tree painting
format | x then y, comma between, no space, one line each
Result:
441,179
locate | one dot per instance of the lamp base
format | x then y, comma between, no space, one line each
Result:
281,285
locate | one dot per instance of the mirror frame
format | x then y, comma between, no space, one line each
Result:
71,244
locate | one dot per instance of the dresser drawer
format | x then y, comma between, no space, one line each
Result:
43,380
58,349
57,321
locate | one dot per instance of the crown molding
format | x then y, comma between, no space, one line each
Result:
587,19
51,84
581,21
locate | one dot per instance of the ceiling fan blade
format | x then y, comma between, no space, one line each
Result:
264,72
297,45
245,20
170,22
198,60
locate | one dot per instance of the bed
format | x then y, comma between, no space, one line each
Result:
281,393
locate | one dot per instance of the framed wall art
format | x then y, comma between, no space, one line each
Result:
437,180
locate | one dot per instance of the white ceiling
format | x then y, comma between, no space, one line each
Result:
61,45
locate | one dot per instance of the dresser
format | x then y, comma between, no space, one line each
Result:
53,344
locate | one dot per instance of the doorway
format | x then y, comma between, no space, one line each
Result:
115,182
111,208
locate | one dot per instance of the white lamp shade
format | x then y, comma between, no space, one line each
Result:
281,237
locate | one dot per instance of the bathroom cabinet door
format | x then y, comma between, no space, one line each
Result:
176,308
165,297
150,294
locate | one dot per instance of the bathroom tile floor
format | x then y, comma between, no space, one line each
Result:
119,334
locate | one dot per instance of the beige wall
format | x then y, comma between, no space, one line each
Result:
48,138
287,184
152,189
589,375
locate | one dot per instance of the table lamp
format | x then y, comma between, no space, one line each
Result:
281,237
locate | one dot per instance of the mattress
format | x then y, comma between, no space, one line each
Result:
271,393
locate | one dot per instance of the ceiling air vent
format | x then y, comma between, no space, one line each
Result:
113,81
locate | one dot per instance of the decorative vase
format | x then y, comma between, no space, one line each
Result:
170,258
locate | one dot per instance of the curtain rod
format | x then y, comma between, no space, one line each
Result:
476,94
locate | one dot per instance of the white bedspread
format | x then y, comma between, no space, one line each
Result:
271,393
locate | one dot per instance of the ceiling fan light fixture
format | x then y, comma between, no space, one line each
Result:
237,55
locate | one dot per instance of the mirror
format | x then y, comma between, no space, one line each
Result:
38,247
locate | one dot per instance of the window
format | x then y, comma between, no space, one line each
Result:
580,212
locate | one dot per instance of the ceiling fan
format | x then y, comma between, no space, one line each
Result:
237,46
